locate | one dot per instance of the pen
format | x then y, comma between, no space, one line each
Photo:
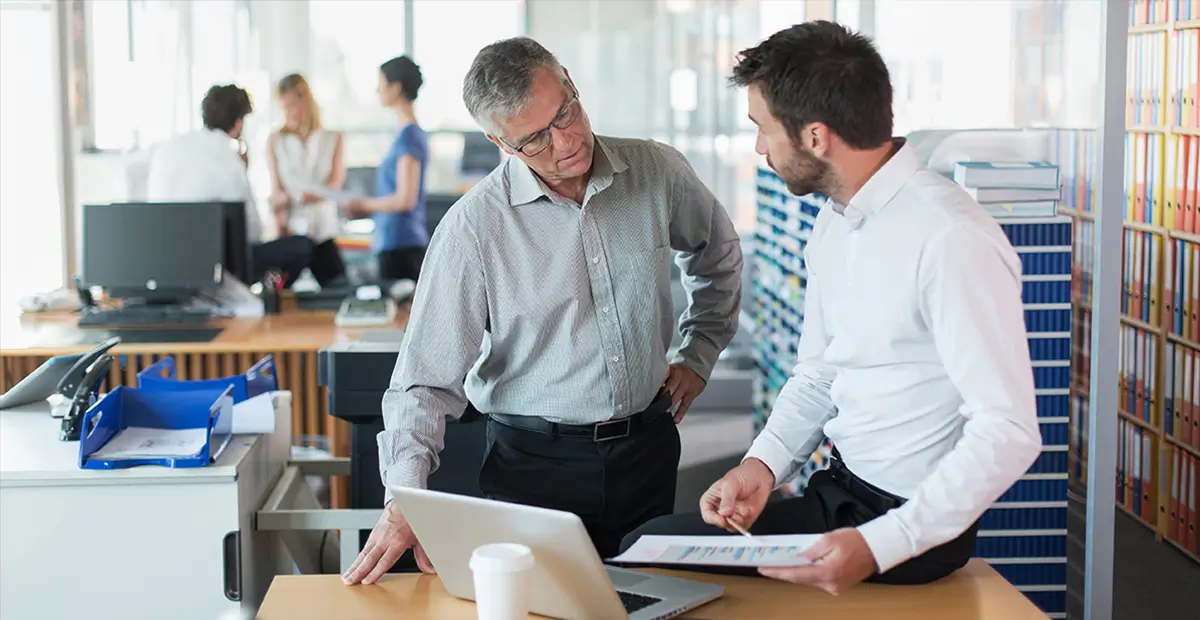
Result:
739,528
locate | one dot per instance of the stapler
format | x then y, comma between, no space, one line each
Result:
79,386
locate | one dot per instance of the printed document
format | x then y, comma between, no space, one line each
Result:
136,442
254,415
780,550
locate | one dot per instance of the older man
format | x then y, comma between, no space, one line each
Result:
557,265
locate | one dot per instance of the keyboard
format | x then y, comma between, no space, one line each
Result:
142,317
634,602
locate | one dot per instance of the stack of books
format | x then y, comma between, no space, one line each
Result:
1013,189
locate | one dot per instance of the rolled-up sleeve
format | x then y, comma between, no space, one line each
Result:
446,328
710,257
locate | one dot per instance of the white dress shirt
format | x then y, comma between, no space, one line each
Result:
202,166
913,358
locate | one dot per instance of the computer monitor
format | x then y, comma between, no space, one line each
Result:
155,253
236,259
480,155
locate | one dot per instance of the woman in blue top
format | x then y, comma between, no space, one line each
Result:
398,204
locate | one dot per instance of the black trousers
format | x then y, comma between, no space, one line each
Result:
326,264
834,498
401,264
288,255
614,476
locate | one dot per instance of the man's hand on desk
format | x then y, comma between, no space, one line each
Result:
389,539
841,559
738,496
684,385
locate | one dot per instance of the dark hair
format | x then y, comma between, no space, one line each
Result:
224,106
821,72
403,71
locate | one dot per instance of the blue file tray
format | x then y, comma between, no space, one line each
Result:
258,379
211,409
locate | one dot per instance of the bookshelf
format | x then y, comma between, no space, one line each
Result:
777,299
1158,473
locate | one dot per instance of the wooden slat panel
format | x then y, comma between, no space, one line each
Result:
293,383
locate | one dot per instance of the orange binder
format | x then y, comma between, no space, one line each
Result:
1173,509
1147,478
1189,211
1183,197
1185,485
1192,491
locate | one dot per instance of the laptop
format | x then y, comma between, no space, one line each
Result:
569,580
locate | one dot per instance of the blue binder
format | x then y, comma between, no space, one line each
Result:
258,379
210,409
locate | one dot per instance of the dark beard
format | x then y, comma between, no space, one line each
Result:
808,174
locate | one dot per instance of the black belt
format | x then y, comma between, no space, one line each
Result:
875,498
607,430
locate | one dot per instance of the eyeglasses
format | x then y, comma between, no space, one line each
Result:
540,141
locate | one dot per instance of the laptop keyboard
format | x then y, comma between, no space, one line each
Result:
634,602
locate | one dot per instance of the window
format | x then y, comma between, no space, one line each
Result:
350,39
950,63
445,43
31,249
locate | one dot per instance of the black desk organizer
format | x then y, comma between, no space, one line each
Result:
356,377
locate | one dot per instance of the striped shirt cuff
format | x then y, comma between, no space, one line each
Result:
411,473
699,355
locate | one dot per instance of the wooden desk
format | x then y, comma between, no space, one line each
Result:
977,592
293,337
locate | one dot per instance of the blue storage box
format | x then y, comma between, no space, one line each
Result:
260,378
125,407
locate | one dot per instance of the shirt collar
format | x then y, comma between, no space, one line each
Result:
875,194
525,186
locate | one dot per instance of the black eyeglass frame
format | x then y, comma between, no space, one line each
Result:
555,124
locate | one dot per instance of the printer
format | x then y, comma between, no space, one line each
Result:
356,374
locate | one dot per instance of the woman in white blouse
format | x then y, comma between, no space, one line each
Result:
306,165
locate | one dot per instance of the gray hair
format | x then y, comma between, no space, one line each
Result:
497,85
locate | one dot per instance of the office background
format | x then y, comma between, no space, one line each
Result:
86,88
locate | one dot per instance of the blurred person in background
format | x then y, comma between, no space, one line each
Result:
398,202
306,166
209,165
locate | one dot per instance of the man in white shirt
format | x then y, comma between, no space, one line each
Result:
913,357
205,166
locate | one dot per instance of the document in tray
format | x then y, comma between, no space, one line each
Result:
138,442
786,550
255,415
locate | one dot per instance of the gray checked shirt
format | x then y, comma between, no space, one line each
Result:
530,304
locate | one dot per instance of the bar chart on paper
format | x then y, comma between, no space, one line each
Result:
786,550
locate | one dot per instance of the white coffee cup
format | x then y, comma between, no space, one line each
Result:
502,574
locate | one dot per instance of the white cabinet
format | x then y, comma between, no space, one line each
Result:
141,543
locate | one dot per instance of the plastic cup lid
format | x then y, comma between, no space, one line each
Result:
502,557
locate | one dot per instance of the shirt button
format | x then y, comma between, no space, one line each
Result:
595,259
620,407
604,309
616,359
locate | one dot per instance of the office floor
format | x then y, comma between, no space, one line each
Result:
1151,579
